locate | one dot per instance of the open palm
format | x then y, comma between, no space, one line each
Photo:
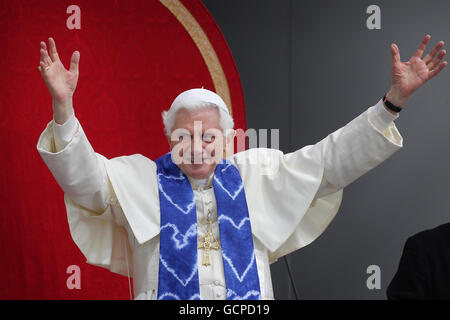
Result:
408,76
60,82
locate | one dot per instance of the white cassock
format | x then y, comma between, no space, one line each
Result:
113,205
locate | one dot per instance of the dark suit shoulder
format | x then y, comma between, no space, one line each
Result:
440,233
424,268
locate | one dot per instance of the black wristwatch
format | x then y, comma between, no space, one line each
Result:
390,106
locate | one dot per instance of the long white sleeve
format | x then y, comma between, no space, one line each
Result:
299,193
380,118
358,147
63,133
74,164
96,220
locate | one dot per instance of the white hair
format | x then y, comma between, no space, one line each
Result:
168,117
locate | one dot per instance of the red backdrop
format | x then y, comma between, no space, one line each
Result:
136,57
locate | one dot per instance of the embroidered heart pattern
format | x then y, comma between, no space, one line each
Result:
181,240
182,279
175,255
182,201
178,272
232,193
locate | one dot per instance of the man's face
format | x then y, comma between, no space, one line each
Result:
197,141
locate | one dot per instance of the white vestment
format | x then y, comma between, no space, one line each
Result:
113,205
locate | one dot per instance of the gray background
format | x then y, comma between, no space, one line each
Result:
308,68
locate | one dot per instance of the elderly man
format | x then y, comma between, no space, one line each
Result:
192,225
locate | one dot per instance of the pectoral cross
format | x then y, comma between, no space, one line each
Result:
209,242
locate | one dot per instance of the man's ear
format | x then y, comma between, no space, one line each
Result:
230,134
169,142
228,147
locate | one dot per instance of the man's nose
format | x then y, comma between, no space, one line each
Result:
197,149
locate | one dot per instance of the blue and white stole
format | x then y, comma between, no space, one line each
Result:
178,260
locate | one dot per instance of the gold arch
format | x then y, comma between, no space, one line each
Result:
203,44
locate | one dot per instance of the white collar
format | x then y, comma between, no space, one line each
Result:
201,183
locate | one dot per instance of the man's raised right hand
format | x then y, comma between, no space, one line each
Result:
60,82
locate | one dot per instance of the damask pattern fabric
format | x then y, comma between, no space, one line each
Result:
135,58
